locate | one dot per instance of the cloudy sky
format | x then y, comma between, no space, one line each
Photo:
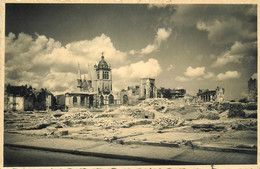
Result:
182,46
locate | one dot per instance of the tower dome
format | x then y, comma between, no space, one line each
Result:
102,63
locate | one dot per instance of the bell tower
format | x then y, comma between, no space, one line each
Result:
104,76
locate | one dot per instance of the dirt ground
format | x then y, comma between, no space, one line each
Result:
154,121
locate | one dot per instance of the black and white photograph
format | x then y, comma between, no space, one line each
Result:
130,84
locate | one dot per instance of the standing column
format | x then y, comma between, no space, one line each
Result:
78,100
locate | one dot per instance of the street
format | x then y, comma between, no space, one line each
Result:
14,157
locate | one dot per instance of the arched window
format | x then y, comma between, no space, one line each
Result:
91,101
82,101
125,99
102,100
98,75
111,99
107,75
75,100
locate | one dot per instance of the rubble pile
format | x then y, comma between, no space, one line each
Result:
209,114
236,110
245,125
224,115
136,112
220,107
250,113
156,102
251,106
159,104
77,116
109,123
168,121
209,127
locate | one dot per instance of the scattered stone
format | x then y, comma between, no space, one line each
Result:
57,115
211,115
236,110
239,127
168,121
251,106
208,127
41,126
251,113
121,142
59,126
64,133
249,146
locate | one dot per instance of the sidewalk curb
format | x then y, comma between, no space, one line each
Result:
175,145
105,155
165,144
161,144
221,149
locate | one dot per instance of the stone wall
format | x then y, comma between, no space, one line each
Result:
252,90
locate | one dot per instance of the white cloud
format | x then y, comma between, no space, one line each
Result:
89,51
209,75
227,58
171,67
197,73
226,31
161,36
237,53
149,49
129,75
45,63
254,76
194,72
182,79
228,75
132,52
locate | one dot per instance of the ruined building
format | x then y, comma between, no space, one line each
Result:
252,90
134,94
129,96
172,93
205,95
94,89
27,98
147,88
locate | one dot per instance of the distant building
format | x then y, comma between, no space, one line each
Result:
60,101
172,93
94,91
129,96
18,98
147,88
27,98
252,90
205,95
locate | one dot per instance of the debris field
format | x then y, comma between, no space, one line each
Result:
158,121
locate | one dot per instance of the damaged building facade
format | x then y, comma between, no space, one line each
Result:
27,98
205,95
252,90
147,88
94,89
171,93
130,95
133,94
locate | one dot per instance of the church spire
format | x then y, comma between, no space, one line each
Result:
79,73
102,57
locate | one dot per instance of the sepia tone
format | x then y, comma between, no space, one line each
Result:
156,97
